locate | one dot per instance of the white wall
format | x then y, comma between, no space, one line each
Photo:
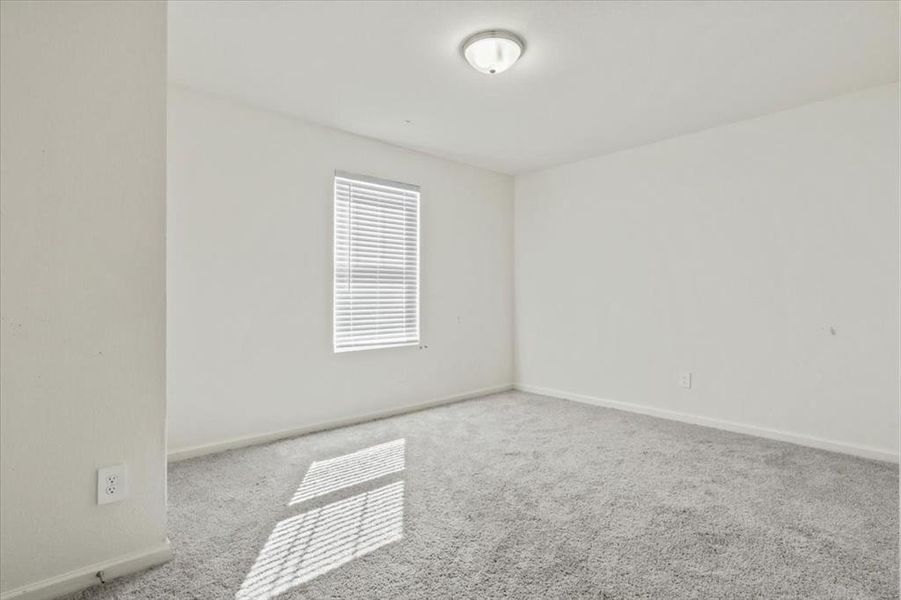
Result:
733,253
250,276
82,333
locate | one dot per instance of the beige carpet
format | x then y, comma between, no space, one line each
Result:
524,496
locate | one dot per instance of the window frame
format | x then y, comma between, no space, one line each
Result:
397,185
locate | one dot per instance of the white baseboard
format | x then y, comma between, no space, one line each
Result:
79,579
252,440
782,436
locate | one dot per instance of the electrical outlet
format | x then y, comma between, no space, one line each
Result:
685,379
112,484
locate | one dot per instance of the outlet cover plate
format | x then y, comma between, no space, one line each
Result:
685,379
112,484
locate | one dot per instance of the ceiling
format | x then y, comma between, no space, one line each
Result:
595,77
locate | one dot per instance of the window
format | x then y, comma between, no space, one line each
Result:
376,302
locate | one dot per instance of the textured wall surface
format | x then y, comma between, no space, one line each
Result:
761,256
82,333
250,276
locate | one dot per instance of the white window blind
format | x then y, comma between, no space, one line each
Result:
376,300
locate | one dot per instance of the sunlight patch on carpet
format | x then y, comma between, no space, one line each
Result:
326,476
307,545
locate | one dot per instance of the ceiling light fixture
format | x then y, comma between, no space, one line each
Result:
494,51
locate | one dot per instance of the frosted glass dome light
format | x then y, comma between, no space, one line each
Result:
492,52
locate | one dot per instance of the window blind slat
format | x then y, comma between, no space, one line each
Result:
374,202
376,271
375,209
